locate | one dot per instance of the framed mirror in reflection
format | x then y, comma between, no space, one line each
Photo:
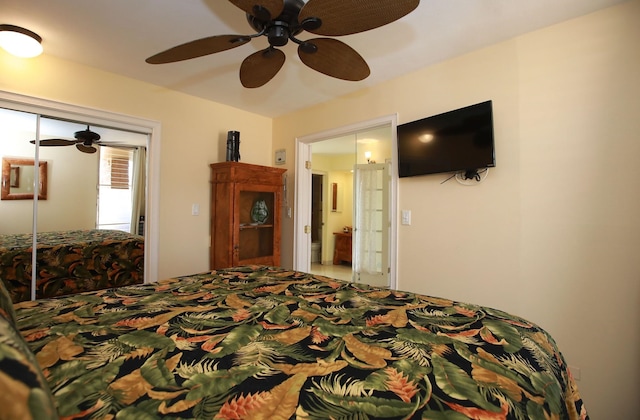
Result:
18,175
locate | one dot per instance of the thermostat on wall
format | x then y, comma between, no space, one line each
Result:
281,157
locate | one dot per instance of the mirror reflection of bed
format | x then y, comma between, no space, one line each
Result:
89,194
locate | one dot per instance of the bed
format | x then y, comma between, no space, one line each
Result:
71,261
260,342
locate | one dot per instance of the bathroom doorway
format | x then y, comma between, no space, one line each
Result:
337,153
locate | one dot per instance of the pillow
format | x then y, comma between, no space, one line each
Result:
6,305
24,392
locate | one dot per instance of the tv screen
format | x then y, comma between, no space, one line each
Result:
459,140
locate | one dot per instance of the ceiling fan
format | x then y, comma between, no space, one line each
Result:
282,21
84,141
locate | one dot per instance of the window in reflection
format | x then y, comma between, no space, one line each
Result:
121,188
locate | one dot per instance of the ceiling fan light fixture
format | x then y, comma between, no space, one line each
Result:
278,35
19,41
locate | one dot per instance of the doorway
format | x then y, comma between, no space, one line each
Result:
339,194
317,216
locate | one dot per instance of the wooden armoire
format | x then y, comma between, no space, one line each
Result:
246,211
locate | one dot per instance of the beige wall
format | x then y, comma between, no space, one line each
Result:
553,233
193,135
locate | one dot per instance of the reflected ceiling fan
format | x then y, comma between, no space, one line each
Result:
84,141
282,20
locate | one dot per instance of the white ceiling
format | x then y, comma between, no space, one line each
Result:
118,35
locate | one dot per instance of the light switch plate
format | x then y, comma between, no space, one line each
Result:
406,217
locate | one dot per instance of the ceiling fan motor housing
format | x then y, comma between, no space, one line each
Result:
87,136
279,29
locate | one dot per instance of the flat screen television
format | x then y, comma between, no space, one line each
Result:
454,141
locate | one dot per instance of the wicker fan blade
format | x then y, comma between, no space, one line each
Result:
199,48
55,142
333,58
86,149
262,9
344,17
260,67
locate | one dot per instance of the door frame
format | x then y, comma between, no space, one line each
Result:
302,215
62,110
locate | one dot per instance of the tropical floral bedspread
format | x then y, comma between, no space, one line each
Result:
264,343
71,261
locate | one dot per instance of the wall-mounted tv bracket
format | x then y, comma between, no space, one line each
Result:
469,176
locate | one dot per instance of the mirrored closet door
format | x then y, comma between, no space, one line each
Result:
93,181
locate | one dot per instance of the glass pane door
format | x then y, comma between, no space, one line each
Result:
371,230
371,209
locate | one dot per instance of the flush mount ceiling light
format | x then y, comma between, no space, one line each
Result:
19,41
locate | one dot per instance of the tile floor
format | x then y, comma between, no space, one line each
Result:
342,272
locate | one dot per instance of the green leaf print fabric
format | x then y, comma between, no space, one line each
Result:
265,343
